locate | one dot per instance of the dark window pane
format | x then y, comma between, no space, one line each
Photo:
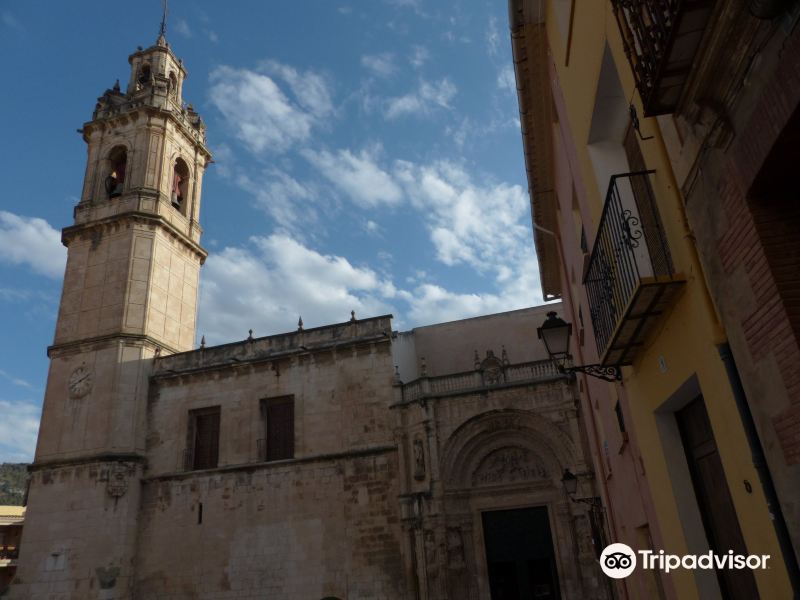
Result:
279,414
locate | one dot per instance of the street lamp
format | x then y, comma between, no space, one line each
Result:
555,333
570,483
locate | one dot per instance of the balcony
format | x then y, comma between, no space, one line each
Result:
480,380
661,38
630,280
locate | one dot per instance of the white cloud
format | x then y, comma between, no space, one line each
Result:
422,101
357,175
269,284
212,36
492,37
482,225
9,20
419,56
259,112
182,27
282,197
505,79
429,303
309,88
380,64
31,242
15,380
19,428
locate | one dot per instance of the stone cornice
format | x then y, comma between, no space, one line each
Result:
201,368
105,457
531,70
129,109
68,233
87,344
276,464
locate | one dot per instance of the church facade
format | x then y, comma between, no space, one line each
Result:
344,461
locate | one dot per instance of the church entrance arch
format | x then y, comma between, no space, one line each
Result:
501,474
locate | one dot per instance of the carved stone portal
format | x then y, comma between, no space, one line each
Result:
509,465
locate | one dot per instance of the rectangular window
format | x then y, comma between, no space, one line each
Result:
278,428
202,438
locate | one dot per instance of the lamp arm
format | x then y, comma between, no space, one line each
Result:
609,373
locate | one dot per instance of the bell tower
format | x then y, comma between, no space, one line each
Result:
133,260
129,294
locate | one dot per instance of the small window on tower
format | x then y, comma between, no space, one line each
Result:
118,159
180,185
173,84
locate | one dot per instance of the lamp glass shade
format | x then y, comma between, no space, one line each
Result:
555,333
570,482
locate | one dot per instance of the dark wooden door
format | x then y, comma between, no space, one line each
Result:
519,555
714,498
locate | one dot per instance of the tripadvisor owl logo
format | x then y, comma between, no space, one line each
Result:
618,560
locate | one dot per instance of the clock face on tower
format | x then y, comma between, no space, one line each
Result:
80,382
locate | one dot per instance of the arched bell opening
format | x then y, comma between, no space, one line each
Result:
115,180
179,193
145,75
173,85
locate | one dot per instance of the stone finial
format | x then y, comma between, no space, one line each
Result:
423,367
352,316
504,357
397,374
116,87
250,337
203,342
477,361
300,324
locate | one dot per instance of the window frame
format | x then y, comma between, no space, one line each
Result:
267,447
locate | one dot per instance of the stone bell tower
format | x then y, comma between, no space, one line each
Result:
130,293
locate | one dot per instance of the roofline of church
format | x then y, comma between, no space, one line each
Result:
264,349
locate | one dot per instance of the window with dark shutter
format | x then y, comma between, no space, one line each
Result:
203,438
279,428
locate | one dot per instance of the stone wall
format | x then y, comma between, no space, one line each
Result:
300,529
325,523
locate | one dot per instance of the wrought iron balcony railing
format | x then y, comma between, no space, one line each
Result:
630,276
661,38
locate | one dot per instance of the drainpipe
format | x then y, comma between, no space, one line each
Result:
760,464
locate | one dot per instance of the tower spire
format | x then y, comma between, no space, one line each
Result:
162,31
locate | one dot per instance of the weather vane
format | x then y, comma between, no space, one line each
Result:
163,30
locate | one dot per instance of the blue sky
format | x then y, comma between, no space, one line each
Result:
367,157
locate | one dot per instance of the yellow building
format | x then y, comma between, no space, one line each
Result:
11,520
671,443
